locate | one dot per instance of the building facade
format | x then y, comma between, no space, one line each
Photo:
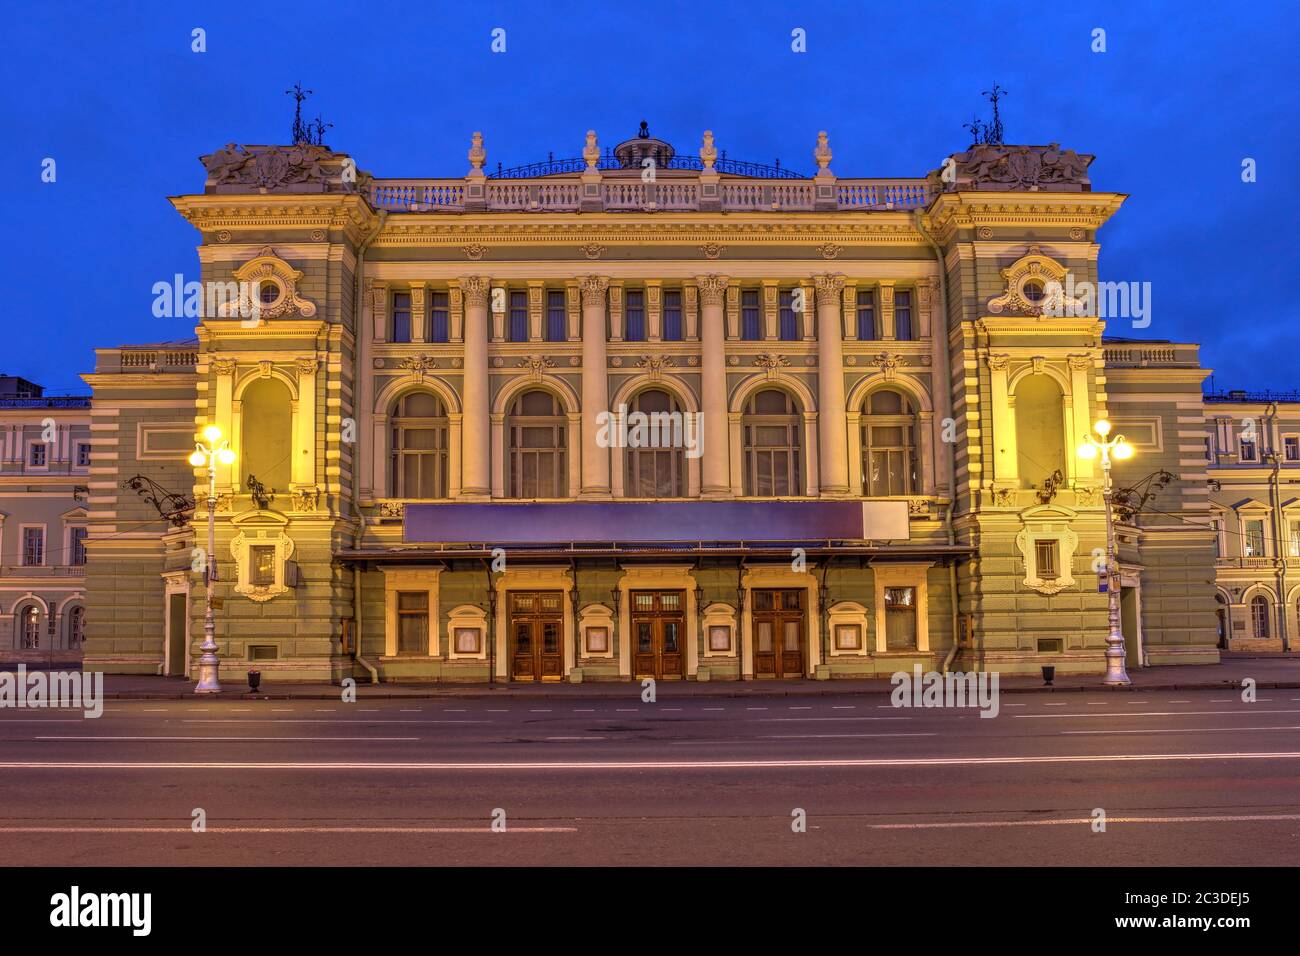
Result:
449,399
1252,451
45,450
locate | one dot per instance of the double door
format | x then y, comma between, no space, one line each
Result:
658,634
536,635
780,629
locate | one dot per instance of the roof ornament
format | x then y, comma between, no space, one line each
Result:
591,152
477,155
708,153
644,132
822,154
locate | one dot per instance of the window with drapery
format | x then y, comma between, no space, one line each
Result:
556,316
412,622
401,317
789,319
439,320
772,426
76,626
660,471
537,428
889,459
634,316
751,319
418,426
900,618
1253,543
866,314
1259,615
672,317
517,325
903,330
30,627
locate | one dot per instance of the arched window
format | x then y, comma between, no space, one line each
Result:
29,627
76,627
771,429
419,447
1259,615
889,445
266,440
1040,430
537,427
656,461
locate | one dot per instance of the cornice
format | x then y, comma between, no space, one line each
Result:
952,211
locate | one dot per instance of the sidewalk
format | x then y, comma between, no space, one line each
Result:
1268,671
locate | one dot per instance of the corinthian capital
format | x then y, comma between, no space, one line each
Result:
593,289
476,289
713,289
829,287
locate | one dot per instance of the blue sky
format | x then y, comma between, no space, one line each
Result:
1184,92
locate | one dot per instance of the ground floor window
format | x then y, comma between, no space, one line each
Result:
30,627
900,618
412,622
1259,615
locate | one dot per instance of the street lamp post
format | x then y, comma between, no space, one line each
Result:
1107,447
207,454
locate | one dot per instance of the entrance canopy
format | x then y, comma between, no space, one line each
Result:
656,522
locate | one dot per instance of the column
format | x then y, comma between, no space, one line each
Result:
1005,467
595,387
302,468
475,430
713,390
221,411
832,432
1081,415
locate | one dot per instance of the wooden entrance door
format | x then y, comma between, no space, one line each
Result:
658,634
536,635
779,632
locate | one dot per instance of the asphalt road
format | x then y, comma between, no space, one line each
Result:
1183,778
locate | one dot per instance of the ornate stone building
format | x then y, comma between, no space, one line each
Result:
449,392
44,465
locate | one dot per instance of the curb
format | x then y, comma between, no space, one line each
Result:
611,695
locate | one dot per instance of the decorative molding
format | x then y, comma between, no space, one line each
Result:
654,365
476,289
888,363
267,268
829,287
830,250
536,365
418,366
474,251
593,250
771,363
713,289
593,289
712,250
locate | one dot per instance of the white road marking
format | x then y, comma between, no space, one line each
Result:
670,708
577,738
1173,730
196,737
626,710
318,720
1062,704
833,736
1165,713
802,719
547,766
844,707
799,708
1085,821
539,711
409,710
290,829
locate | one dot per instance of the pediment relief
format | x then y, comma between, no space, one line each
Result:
268,289
1034,285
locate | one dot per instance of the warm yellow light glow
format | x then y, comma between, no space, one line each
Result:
1123,450
1102,427
1087,450
226,456
212,434
198,459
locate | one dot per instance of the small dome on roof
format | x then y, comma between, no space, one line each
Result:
632,153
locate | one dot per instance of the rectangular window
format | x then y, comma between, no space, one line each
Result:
33,546
634,324
412,622
1209,449
261,565
1254,539
1216,525
789,320
518,324
1247,450
401,316
903,316
77,540
1291,447
1294,546
83,454
556,317
672,315
1046,554
900,618
37,457
751,328
866,314
439,318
